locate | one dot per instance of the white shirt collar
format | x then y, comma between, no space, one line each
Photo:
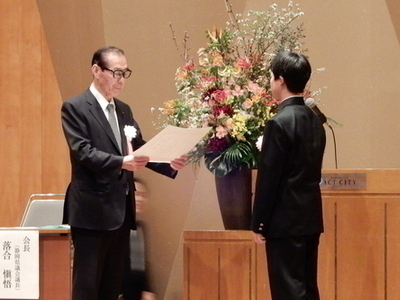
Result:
100,98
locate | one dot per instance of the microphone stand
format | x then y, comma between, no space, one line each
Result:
334,143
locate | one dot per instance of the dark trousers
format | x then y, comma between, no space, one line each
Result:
292,267
99,259
134,284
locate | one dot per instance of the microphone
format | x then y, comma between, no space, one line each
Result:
310,102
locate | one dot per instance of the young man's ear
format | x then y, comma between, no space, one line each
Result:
281,80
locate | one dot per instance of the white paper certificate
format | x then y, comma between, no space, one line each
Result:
172,142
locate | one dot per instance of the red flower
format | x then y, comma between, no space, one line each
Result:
226,110
207,94
217,145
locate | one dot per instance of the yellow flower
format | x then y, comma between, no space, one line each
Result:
239,126
236,72
229,71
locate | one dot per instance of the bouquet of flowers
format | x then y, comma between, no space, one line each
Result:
227,88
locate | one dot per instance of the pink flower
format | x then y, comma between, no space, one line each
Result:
221,132
268,100
210,78
219,96
238,91
255,88
245,62
189,65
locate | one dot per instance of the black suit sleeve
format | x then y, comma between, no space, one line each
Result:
269,177
86,147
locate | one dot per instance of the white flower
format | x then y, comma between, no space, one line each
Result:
130,132
259,142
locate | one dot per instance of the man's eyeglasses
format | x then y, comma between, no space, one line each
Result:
119,73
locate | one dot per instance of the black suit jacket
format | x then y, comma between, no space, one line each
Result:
288,198
96,197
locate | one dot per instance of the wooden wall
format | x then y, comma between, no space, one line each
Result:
359,250
33,154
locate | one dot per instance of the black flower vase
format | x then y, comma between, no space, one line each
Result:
234,198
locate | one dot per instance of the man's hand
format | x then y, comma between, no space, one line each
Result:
148,296
179,163
134,163
258,238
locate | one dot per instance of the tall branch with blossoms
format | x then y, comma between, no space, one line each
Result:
233,21
185,54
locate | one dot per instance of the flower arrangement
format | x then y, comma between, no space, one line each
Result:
228,87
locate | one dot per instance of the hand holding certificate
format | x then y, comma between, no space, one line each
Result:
172,142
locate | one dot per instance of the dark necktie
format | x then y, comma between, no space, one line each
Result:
113,123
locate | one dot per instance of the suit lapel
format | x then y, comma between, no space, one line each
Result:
121,124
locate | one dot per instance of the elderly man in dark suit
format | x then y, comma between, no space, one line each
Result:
99,204
287,212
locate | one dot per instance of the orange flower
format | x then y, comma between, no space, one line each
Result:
217,59
181,74
247,103
169,104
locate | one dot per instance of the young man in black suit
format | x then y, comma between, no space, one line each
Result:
287,212
99,203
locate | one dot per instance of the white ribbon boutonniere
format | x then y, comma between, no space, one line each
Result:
130,132
259,142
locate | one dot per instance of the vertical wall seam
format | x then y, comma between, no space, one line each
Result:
385,243
336,254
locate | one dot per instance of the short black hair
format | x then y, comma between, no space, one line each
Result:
294,68
99,57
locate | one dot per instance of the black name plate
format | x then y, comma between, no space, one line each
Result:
344,181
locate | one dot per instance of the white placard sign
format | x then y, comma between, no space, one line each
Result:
19,264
